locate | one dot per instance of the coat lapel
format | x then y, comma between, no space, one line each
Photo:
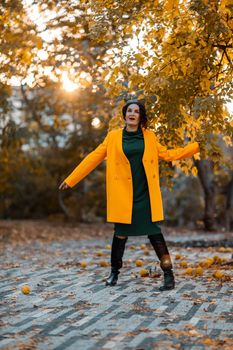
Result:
146,146
120,144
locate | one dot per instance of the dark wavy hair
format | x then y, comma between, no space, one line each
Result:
142,111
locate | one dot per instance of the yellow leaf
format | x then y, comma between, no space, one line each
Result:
218,274
227,140
139,58
25,289
205,84
189,271
144,273
194,171
26,57
183,263
139,262
83,264
199,271
39,43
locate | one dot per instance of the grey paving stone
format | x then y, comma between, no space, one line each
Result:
70,307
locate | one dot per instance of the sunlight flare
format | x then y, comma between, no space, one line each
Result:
68,84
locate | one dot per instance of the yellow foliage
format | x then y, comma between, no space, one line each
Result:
228,140
172,59
26,57
139,58
84,82
39,43
172,7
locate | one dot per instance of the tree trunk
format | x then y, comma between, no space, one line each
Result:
228,192
206,176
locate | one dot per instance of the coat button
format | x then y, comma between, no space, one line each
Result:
129,178
153,176
152,161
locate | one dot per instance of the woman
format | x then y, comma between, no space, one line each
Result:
134,202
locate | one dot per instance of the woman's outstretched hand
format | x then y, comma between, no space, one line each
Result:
63,186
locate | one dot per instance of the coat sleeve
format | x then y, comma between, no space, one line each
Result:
89,163
177,153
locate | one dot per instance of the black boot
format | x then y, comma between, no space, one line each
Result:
118,248
160,247
169,281
113,277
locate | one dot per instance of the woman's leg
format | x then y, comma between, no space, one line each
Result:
117,252
160,247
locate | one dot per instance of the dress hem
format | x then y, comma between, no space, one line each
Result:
137,235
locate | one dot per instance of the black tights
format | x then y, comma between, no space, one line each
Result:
118,248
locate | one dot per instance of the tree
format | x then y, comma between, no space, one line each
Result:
182,67
31,143
179,62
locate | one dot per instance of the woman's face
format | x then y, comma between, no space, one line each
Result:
132,117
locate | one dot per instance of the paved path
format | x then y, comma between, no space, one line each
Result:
69,307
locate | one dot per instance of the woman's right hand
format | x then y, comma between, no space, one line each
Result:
63,186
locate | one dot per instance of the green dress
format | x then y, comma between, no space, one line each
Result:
133,147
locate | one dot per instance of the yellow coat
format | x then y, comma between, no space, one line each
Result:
119,184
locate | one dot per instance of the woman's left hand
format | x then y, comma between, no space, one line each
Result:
63,186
